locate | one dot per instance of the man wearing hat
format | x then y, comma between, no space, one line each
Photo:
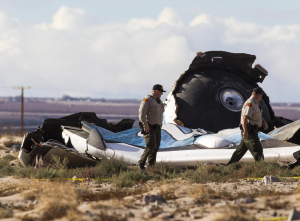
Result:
251,121
150,116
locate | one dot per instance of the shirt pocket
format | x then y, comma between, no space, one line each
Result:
256,114
153,109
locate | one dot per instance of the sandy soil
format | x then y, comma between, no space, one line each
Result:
26,199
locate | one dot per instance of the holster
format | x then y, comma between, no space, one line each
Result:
251,128
142,128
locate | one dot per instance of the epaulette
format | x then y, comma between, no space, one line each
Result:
145,99
249,105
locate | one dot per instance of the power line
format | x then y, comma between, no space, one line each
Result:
22,106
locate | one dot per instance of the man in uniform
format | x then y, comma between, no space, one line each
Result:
251,121
150,115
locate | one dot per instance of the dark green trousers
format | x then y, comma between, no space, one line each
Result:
152,141
252,144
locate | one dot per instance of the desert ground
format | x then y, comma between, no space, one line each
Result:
114,191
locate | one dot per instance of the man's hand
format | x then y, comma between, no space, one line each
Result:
147,130
265,124
245,134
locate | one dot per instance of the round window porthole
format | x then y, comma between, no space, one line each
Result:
232,99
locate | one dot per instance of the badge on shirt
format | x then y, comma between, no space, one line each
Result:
249,105
145,99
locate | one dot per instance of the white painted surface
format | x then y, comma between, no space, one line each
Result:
170,108
212,141
177,133
132,154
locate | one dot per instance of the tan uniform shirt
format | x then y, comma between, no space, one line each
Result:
252,110
151,111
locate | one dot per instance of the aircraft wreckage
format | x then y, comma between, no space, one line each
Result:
204,102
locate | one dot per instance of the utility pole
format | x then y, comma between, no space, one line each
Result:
22,107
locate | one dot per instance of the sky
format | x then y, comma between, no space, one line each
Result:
121,48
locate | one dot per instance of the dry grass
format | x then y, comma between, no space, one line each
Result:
123,176
11,141
276,204
5,213
235,213
9,157
56,199
203,194
101,216
265,192
120,193
9,190
129,178
104,169
296,190
168,194
61,200
220,173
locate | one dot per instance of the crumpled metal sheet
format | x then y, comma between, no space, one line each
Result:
196,99
41,155
289,132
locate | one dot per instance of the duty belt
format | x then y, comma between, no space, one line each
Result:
154,126
250,127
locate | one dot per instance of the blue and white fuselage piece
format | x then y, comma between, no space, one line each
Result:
180,146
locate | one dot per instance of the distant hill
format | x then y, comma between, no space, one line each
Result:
36,110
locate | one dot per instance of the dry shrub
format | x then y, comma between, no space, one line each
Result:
9,157
10,190
115,211
117,193
60,200
180,212
275,204
174,189
104,169
203,194
235,213
168,194
56,199
58,163
265,192
221,173
102,216
165,170
8,143
13,188
129,178
5,213
296,190
5,168
105,217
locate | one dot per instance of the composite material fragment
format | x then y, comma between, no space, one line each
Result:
211,93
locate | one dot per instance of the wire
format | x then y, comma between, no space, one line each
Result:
112,150
52,142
